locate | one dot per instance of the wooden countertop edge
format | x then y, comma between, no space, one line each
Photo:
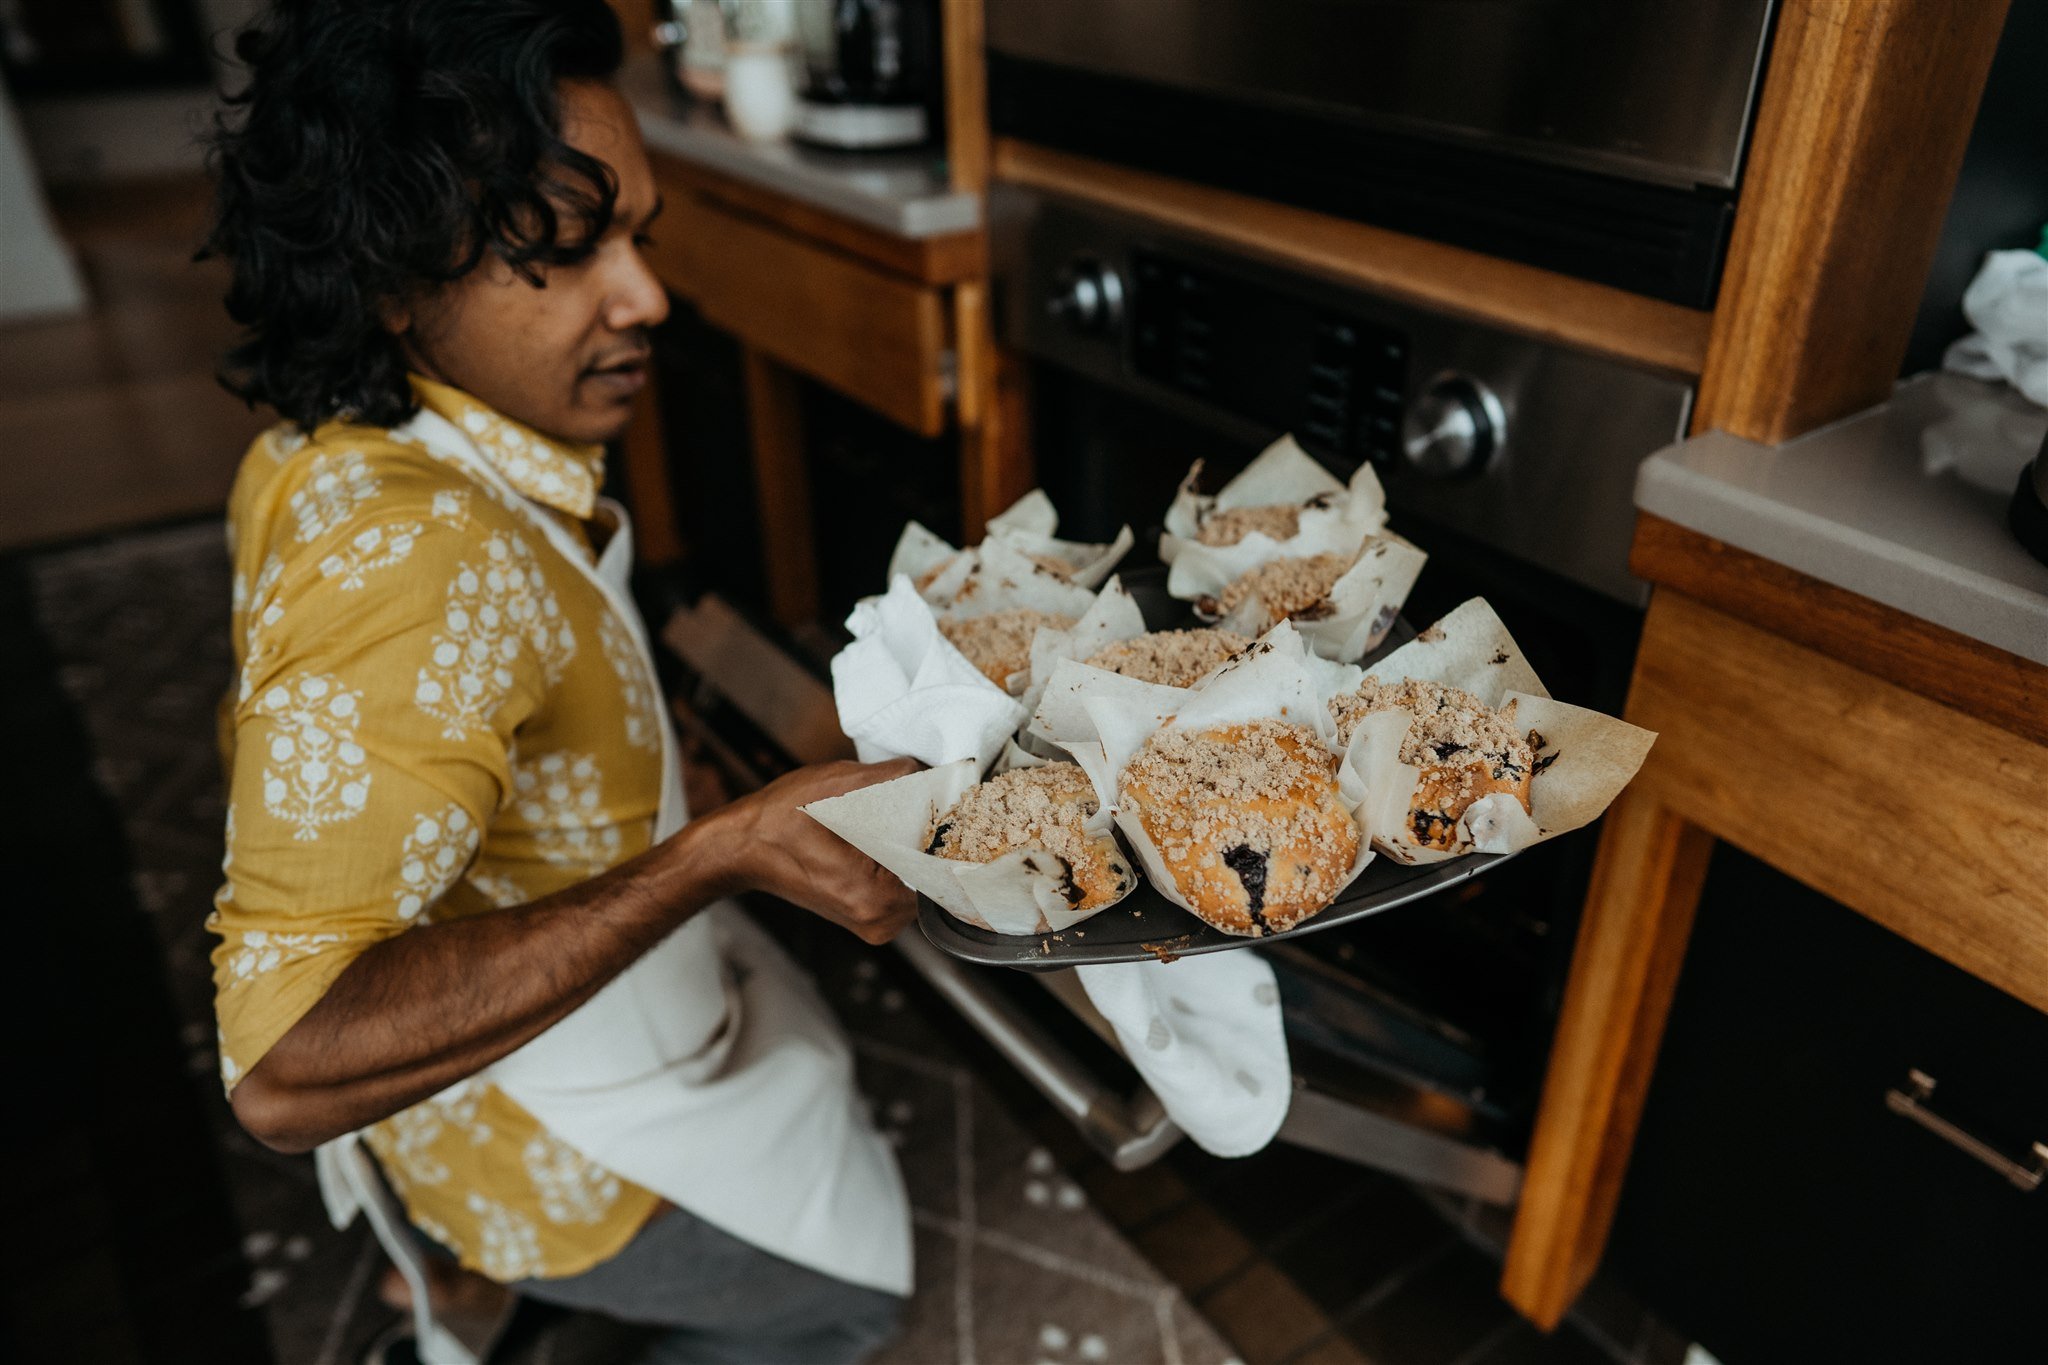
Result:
1968,675
1523,298
942,260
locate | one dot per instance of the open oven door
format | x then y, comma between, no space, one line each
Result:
1373,1083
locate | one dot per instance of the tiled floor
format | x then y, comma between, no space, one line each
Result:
1302,1259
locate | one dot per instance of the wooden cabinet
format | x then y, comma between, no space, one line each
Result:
1794,721
1781,1208
816,297
877,337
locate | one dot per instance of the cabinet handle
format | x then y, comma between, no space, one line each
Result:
1912,1103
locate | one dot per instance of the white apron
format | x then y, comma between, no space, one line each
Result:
709,1071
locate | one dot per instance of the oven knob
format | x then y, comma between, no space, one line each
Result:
1088,295
1453,429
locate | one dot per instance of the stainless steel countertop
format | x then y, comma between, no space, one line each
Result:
1904,504
901,192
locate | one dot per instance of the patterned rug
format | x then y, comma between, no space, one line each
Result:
1015,1266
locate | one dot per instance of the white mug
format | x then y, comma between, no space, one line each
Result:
760,98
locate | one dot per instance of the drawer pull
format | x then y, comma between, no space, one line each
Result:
1912,1103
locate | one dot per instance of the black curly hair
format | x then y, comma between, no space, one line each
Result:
381,147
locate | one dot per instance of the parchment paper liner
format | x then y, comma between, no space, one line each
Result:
1282,473
903,689
1113,616
1336,519
1006,582
1583,761
1026,528
1361,607
1107,718
1018,893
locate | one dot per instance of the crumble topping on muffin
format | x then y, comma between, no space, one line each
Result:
999,644
1035,808
1176,658
1279,520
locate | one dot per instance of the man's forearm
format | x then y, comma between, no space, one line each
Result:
421,1011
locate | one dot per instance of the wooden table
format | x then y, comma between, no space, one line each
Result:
1888,763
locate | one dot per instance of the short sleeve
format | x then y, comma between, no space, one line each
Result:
387,660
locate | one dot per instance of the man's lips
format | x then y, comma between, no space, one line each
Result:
625,376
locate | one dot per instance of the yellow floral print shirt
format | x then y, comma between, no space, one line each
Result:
435,716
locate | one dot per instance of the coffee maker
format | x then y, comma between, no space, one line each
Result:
871,73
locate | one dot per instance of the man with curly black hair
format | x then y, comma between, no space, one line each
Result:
464,925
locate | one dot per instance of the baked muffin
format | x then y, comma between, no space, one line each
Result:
1465,748
1043,809
1227,527
1247,819
999,644
1297,588
1176,658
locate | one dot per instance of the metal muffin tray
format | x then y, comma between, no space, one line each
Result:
1147,925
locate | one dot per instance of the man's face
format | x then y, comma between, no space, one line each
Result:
566,359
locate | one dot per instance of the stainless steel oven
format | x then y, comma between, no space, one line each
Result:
1419,1035
1597,137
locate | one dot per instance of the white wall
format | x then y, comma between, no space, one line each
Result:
37,275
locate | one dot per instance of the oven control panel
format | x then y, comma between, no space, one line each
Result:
1331,377
1510,440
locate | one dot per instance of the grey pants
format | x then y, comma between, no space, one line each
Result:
725,1301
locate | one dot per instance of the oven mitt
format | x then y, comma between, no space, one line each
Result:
1206,1035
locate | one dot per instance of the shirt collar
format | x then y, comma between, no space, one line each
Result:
561,474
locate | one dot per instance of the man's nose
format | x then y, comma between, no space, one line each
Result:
637,297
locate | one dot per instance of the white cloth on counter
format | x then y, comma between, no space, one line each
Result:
1205,1033
1985,444
2008,305
902,690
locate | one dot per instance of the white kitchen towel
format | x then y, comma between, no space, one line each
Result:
1205,1033
2008,305
902,689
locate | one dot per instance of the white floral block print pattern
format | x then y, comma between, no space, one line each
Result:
282,441
451,508
259,611
370,549
562,795
510,1247
493,611
262,951
498,889
572,1190
336,484
406,1143
314,777
529,464
635,692
437,851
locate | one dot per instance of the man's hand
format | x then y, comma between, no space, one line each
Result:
776,848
